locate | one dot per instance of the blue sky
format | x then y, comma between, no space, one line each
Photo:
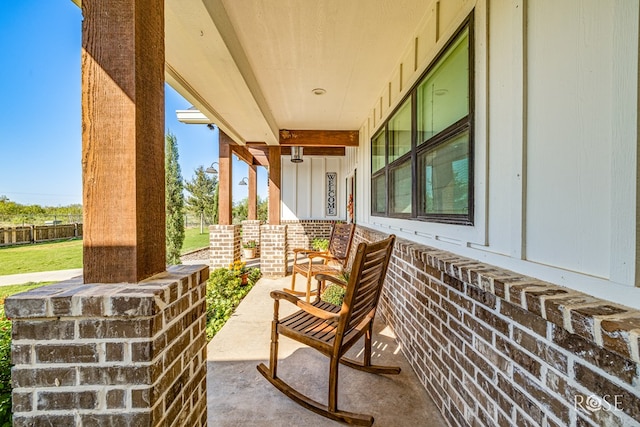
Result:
40,107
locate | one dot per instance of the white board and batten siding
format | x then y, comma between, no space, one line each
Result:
556,135
304,189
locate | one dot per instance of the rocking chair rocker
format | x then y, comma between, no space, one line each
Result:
332,330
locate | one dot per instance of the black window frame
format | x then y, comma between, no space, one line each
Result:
465,124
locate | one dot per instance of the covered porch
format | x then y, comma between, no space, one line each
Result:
494,137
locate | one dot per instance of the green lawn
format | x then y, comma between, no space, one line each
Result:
194,240
41,257
68,254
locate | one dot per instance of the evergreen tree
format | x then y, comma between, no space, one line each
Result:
202,200
174,201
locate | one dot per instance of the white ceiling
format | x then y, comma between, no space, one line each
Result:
250,65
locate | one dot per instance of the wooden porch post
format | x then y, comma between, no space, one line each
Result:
274,185
225,201
253,193
123,140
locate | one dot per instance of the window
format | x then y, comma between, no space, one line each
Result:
421,159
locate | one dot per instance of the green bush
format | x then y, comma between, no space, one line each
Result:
224,293
320,244
5,370
333,294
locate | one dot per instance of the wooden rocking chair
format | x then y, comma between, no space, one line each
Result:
332,329
334,259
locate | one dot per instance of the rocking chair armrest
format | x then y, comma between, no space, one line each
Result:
333,279
305,306
326,255
278,295
302,250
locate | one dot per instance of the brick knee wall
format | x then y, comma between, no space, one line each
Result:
496,348
111,354
300,233
273,254
224,241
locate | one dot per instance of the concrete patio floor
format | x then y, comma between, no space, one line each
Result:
239,396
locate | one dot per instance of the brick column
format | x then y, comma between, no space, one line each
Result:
273,254
112,354
225,244
251,231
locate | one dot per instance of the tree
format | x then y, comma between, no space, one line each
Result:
240,211
174,199
263,209
202,200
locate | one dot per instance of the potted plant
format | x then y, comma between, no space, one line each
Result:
249,249
239,269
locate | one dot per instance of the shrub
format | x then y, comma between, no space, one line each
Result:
224,293
5,370
320,244
333,294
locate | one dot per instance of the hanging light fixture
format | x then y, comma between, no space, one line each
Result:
296,154
211,169
243,181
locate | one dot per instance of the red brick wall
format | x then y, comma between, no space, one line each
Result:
496,348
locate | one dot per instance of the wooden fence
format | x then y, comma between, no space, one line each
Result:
38,233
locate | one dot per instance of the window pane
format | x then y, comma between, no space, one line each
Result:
379,195
377,152
400,132
401,189
444,173
443,96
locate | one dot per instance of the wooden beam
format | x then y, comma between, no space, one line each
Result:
317,151
243,153
225,198
323,138
253,193
260,155
123,140
274,185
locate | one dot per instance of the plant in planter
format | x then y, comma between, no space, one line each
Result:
249,249
239,269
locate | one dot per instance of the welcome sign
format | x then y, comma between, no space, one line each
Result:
332,194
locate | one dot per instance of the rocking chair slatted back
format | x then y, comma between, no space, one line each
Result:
340,241
365,285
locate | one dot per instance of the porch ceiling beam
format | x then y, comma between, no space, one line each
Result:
243,153
317,151
261,158
260,153
323,138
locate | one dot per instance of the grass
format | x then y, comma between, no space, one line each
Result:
63,255
194,240
49,256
